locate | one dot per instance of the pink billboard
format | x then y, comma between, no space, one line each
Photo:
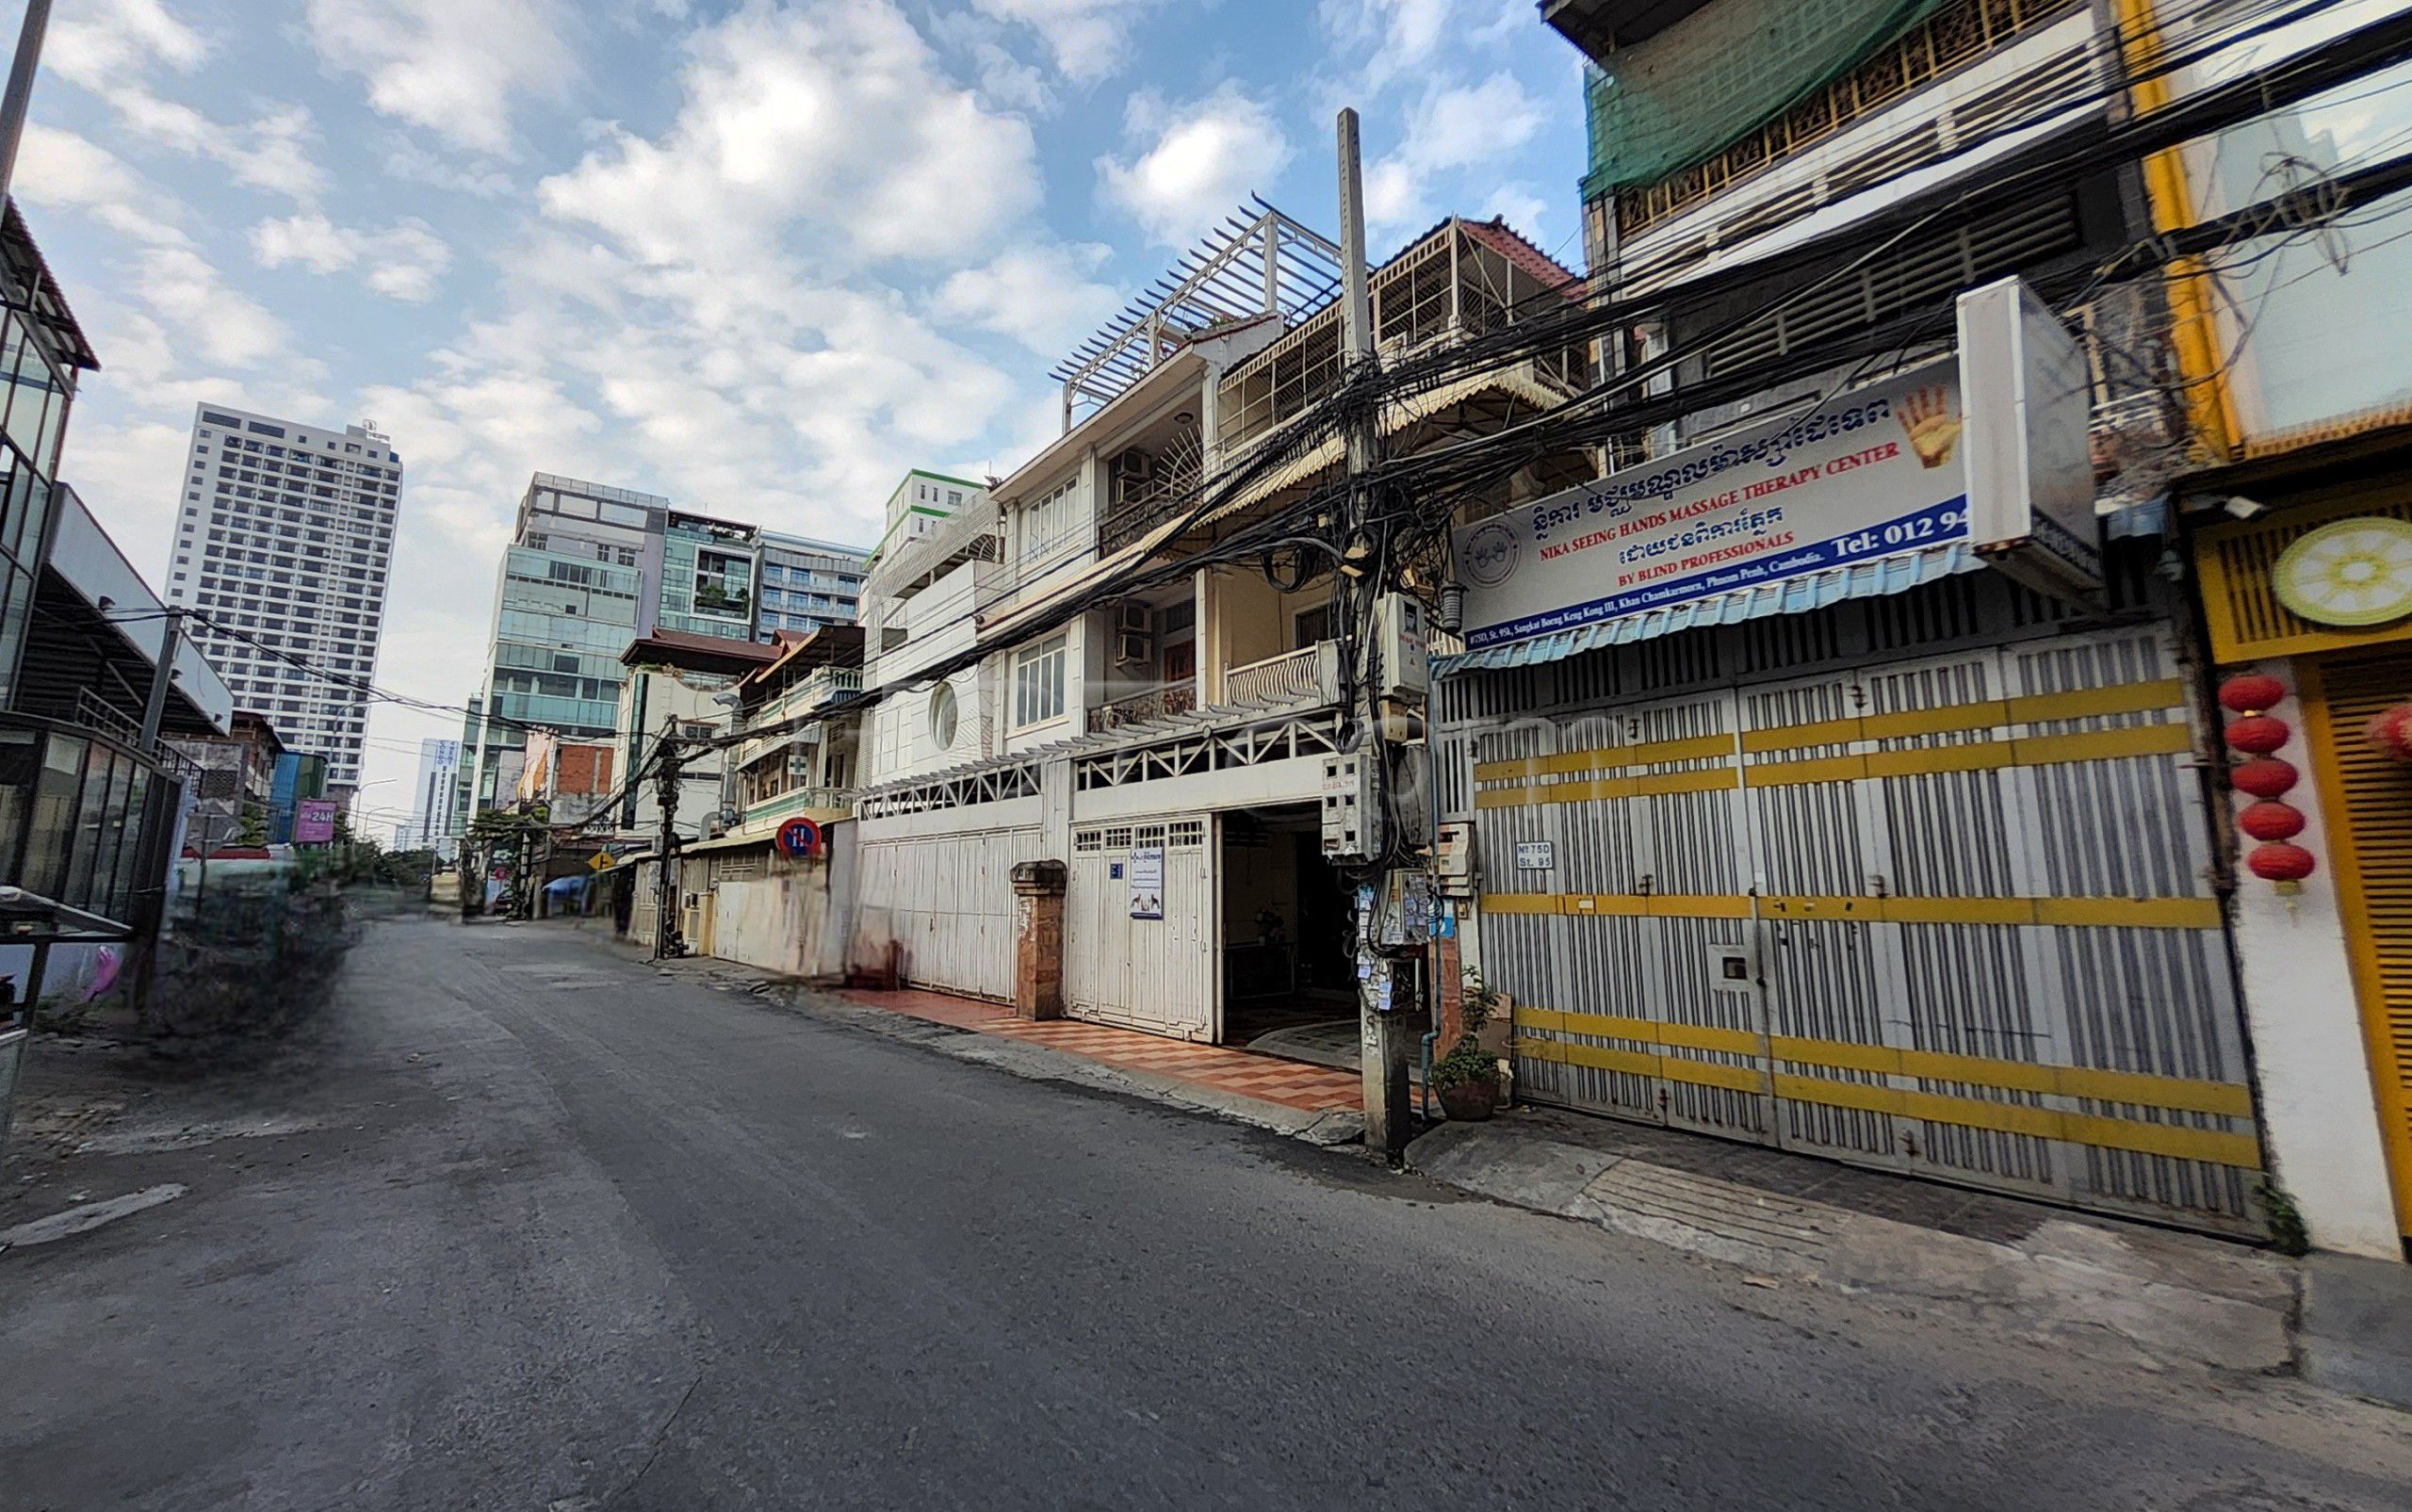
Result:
313,821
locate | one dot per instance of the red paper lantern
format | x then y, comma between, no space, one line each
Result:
2282,863
2266,820
2257,734
2265,777
2389,733
2252,694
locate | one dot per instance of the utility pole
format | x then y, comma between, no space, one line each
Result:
155,705
666,941
21,88
1382,1039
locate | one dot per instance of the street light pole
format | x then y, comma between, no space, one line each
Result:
21,88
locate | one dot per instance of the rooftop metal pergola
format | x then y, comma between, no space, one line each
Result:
1258,262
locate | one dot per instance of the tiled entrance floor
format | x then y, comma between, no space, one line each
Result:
1310,1088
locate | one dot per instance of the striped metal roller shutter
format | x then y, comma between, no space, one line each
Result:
1972,891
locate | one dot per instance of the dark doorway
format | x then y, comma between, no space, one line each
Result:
1286,930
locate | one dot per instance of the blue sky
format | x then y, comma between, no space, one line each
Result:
760,257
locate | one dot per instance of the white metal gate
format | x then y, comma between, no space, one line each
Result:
948,901
1962,900
1156,974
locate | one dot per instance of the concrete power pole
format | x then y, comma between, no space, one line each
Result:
666,940
1384,1039
19,92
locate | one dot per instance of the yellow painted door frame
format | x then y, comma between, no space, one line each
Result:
2389,1051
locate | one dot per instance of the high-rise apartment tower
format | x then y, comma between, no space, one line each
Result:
283,536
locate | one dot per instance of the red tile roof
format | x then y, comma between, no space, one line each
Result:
684,647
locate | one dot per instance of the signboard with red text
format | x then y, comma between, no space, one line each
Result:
1874,472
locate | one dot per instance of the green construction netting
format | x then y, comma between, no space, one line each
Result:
1697,86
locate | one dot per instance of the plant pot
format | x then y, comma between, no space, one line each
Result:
1470,1102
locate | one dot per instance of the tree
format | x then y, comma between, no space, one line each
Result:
251,829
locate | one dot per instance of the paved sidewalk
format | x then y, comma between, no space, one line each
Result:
1212,1067
2093,1284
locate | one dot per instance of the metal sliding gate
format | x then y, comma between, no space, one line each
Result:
1949,915
1144,963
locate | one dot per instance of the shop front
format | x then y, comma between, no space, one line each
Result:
2308,610
1830,789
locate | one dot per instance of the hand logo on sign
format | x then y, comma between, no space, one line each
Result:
1932,426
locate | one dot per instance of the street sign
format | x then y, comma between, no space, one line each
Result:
601,861
798,838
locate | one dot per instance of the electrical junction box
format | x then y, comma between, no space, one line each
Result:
1402,647
1732,967
1403,910
1452,861
1352,816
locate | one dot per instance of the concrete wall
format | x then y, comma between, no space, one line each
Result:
2318,1117
796,920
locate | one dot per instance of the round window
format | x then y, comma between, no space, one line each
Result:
942,716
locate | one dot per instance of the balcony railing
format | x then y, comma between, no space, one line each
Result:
765,815
1292,678
1155,704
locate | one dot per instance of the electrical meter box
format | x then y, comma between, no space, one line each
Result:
1352,817
1402,647
1452,861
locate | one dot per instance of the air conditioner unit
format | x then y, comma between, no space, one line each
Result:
1133,469
1134,634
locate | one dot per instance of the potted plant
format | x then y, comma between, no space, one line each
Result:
1467,1078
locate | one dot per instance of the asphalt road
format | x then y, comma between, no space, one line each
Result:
532,1228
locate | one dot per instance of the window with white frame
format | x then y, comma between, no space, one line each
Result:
1038,682
1049,521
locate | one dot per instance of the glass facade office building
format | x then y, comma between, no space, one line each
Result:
592,568
807,584
707,578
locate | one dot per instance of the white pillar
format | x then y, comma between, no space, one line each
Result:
2319,1113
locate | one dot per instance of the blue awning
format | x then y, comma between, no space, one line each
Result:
1794,596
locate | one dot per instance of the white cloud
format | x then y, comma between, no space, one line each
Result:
1449,130
454,67
218,324
1198,160
409,161
115,48
402,262
1041,295
1402,40
1089,39
1006,80
230,326
1521,205
96,43
831,117
269,152
59,169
